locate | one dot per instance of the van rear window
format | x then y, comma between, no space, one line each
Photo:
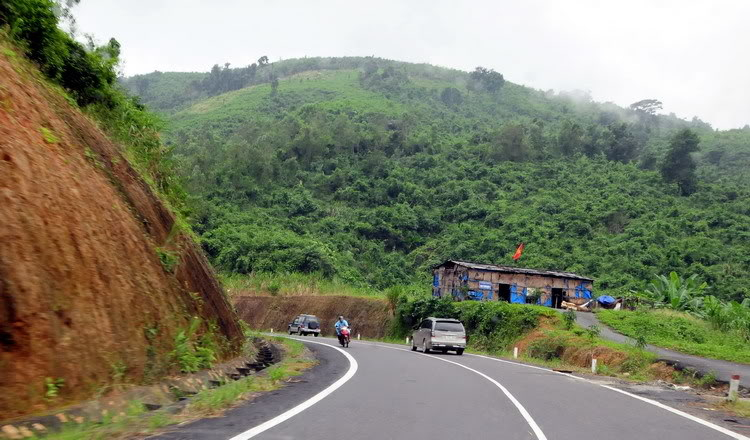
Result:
448,326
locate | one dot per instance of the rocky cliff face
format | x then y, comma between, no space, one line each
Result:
95,277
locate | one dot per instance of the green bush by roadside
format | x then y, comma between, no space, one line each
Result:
491,326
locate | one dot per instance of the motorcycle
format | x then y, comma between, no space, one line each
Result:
344,336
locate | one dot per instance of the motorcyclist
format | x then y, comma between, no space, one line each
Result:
340,323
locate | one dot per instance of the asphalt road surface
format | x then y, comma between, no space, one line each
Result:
382,391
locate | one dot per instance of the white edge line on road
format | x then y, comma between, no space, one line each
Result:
530,420
353,366
705,423
680,413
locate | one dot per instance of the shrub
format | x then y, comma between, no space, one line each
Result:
547,348
593,332
274,287
569,318
490,325
168,259
48,135
191,353
53,387
634,363
707,380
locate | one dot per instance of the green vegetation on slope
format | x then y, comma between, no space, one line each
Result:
88,74
723,327
296,283
370,171
678,331
491,326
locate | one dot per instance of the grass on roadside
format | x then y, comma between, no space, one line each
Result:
137,420
292,284
740,407
678,331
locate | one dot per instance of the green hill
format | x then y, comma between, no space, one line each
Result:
372,170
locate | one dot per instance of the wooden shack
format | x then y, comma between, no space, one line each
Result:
462,280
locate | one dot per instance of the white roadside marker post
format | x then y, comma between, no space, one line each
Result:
515,352
734,387
271,330
358,337
407,340
593,365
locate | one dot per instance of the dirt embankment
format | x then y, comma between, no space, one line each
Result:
368,316
84,298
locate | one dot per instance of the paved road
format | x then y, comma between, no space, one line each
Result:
399,394
722,369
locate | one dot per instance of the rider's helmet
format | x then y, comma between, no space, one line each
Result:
341,317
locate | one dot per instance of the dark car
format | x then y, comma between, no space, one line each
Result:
305,325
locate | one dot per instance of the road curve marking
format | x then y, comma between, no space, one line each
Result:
705,423
723,430
530,420
353,366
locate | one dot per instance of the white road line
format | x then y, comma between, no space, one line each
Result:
680,413
534,427
353,366
705,423
519,364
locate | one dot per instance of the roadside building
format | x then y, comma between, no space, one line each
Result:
462,280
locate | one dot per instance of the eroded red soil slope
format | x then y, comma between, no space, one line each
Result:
83,295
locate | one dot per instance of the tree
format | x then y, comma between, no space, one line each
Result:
511,143
274,84
647,106
569,138
679,165
624,147
482,79
451,96
646,110
262,61
370,67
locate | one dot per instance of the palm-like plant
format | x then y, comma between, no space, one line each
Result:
738,316
676,292
715,311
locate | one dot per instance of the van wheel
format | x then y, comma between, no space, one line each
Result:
460,351
413,347
291,332
317,334
425,350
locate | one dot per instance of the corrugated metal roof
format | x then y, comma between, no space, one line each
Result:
510,269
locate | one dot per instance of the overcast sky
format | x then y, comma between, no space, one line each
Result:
690,54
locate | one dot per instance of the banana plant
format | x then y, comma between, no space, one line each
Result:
676,292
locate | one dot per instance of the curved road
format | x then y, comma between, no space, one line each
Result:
384,391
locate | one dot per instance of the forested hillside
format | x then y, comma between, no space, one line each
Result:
372,170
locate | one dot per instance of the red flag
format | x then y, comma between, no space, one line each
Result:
519,251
